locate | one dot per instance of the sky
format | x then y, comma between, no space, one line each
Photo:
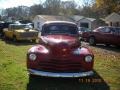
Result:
14,3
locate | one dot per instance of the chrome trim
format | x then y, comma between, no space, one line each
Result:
53,74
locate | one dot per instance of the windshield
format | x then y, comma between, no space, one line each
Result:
60,29
20,26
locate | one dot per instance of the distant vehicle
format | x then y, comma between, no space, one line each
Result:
104,35
59,53
20,32
2,26
83,29
26,22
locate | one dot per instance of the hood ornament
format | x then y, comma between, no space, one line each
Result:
64,49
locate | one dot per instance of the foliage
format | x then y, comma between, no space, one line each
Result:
49,7
90,8
52,7
106,7
36,9
20,12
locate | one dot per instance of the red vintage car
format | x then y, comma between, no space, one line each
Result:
59,53
103,35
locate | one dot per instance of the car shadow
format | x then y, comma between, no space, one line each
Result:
18,43
110,48
87,83
102,46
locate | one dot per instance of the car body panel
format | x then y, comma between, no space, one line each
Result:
56,56
20,34
8,33
105,35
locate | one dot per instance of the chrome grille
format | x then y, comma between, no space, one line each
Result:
63,65
28,34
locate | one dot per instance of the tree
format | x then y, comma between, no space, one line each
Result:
69,8
88,9
17,13
52,7
106,7
36,10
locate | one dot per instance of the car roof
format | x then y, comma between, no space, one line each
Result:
18,24
108,27
60,22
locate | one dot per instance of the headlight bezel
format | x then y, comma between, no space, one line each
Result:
32,56
88,58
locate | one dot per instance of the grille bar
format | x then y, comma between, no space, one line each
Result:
60,66
30,34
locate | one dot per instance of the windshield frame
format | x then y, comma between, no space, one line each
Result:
19,26
46,26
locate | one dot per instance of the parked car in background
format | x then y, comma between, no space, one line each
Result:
27,22
1,27
4,25
83,31
20,32
59,53
104,35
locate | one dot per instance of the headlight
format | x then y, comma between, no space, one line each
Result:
32,57
88,58
76,51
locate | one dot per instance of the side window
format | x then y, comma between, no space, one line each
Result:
107,30
104,30
113,30
101,30
118,31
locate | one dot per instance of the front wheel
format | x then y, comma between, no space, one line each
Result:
5,37
34,40
14,38
92,41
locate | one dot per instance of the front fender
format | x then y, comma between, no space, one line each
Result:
38,49
41,53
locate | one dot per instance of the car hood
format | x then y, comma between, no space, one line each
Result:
58,39
60,45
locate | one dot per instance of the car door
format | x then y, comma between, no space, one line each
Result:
117,36
103,35
112,36
9,32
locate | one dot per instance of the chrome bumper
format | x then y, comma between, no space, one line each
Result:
53,74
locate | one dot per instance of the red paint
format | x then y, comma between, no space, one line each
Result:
101,36
60,55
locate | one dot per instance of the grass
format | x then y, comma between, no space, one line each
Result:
13,72
13,75
107,64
